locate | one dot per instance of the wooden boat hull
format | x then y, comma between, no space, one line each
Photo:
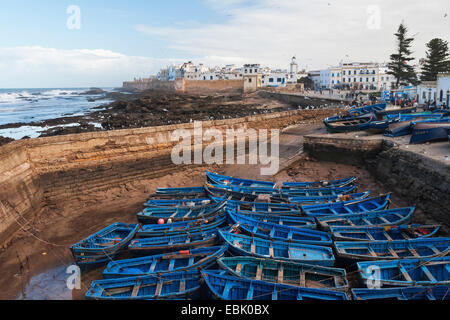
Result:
171,286
407,272
103,245
294,274
347,207
410,293
182,227
327,199
225,287
271,231
290,221
381,218
389,233
279,250
319,184
179,242
215,178
359,123
165,263
430,132
152,215
178,203
260,206
392,250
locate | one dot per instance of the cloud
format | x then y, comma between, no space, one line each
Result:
319,32
49,67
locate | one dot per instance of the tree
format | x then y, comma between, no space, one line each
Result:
307,81
437,60
399,67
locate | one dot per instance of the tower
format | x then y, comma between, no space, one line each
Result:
294,66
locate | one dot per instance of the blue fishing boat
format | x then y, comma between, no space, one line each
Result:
177,202
430,132
225,287
406,272
414,116
395,112
182,227
104,245
374,108
143,246
408,293
368,219
215,178
279,250
247,190
319,184
289,221
180,191
327,199
380,126
389,233
313,194
346,207
183,260
153,214
392,250
284,272
271,231
405,127
348,124
268,207
171,286
226,195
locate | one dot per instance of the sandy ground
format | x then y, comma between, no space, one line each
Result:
34,264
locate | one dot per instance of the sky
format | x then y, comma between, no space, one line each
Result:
101,43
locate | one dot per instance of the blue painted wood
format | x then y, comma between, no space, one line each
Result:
260,206
153,245
165,263
392,250
430,132
290,221
402,232
320,184
279,250
182,227
271,231
346,207
178,191
177,203
409,293
176,285
104,245
326,199
284,272
369,219
406,272
225,287
348,124
215,178
153,214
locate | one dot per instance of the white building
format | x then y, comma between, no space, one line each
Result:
443,90
324,79
315,77
274,79
426,92
293,75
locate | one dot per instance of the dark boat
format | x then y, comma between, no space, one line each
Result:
215,178
223,194
392,250
319,184
380,126
170,243
407,123
171,286
271,231
104,245
153,214
279,250
350,124
383,218
316,194
409,293
182,227
183,260
179,193
346,207
294,274
396,111
406,272
289,221
225,287
430,132
402,232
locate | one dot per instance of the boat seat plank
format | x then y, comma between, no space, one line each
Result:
427,272
158,288
405,274
271,251
280,275
250,292
393,253
258,272
388,237
136,288
238,268
252,249
182,285
302,279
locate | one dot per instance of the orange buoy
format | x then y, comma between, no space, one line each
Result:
160,221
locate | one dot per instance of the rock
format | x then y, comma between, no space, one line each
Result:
4,140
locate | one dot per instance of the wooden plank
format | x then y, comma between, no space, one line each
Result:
136,288
258,272
388,237
280,274
250,292
405,274
153,266
427,272
238,268
182,285
252,248
158,288
414,252
271,251
393,253
302,279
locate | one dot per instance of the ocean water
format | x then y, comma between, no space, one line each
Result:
34,105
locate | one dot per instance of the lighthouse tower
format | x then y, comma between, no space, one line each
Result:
294,66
